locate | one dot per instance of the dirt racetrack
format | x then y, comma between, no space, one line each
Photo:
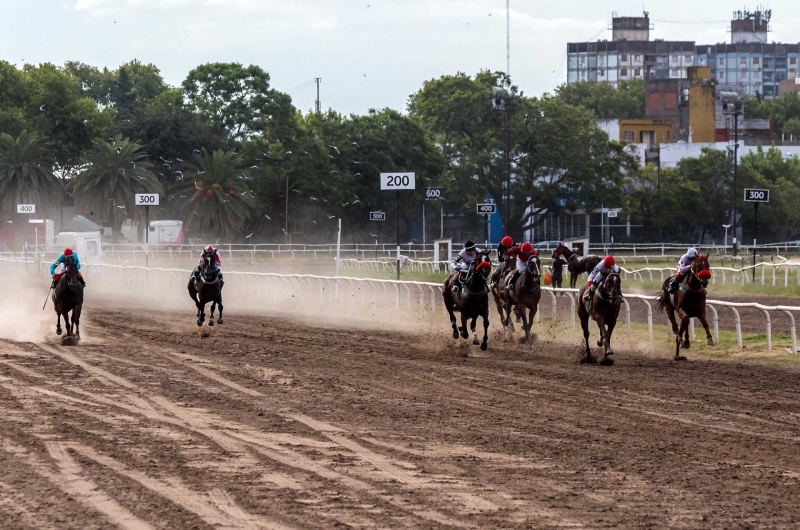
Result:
271,423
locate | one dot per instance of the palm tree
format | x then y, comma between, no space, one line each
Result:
26,175
114,172
215,195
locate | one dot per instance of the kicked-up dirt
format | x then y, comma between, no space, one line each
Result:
267,422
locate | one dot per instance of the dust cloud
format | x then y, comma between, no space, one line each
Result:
21,316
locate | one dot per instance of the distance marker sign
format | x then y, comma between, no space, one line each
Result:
377,216
434,193
756,195
147,199
398,181
487,208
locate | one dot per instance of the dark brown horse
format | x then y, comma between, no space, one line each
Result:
472,301
523,297
604,310
575,265
205,287
68,298
689,302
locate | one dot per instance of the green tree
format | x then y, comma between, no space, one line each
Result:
237,99
123,96
712,171
26,172
605,100
114,172
769,169
215,195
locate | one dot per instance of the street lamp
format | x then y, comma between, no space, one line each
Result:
501,101
732,106
726,236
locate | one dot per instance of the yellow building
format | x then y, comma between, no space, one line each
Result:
650,132
702,93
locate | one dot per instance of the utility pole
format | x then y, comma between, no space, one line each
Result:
508,38
317,103
658,194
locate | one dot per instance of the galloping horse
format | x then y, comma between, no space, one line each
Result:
525,295
206,288
689,302
577,266
68,297
603,309
472,301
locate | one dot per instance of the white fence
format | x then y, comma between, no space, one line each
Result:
259,288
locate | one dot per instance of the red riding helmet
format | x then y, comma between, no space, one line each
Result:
68,252
526,248
507,241
209,248
608,261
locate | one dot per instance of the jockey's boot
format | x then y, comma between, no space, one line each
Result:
589,294
53,284
674,284
510,284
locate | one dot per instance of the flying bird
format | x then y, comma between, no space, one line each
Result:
355,144
179,173
86,122
248,237
358,175
179,160
331,216
335,149
41,109
253,167
119,150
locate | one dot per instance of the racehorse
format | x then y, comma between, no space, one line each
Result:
575,265
68,297
603,308
472,301
524,295
205,288
689,302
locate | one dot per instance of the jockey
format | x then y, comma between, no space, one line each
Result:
467,256
210,251
684,267
603,269
523,253
502,249
68,253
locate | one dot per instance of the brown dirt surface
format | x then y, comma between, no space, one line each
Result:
267,422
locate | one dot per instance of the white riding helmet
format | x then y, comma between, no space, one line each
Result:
692,253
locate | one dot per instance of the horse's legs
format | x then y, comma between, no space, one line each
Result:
76,321
219,303
670,312
201,313
681,331
573,279
702,318
472,327
67,323
452,321
606,359
601,323
211,314
484,344
588,358
58,324
525,325
463,328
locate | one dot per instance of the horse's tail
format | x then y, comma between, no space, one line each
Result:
662,302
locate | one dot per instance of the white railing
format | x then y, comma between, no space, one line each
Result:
257,288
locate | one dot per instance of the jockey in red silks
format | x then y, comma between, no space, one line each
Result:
523,253
210,251
68,254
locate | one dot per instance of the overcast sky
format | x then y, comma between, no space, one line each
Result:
370,53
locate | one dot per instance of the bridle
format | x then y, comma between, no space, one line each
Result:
694,275
533,274
611,297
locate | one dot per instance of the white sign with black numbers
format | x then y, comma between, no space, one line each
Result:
613,213
487,208
147,199
398,181
756,195
26,208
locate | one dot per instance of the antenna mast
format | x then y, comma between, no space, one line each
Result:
317,103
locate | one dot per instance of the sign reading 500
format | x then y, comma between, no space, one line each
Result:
398,181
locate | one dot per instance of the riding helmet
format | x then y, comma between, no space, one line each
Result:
507,241
469,245
608,261
68,252
526,248
692,254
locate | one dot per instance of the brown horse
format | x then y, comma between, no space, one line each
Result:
575,265
472,301
524,297
68,297
689,302
604,310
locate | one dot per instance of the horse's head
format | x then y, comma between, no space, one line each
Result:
702,269
70,276
534,267
477,279
560,249
612,287
209,268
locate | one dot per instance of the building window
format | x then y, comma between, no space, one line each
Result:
601,72
623,58
623,72
792,60
722,61
688,59
628,136
756,60
637,58
743,60
792,74
637,72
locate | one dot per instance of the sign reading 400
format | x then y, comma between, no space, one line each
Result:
147,199
398,181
